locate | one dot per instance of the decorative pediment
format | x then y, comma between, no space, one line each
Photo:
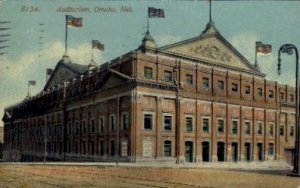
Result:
214,49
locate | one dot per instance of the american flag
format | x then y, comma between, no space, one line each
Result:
32,82
263,49
154,12
73,21
97,45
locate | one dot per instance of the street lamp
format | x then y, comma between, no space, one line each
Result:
288,48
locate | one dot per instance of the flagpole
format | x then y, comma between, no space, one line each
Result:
92,53
209,10
256,63
66,36
28,89
148,22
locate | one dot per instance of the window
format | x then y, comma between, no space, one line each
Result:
291,130
281,130
125,121
271,149
271,129
167,123
259,92
148,72
112,122
220,85
234,127
220,126
148,121
205,83
101,124
189,124
247,128
76,127
247,90
271,94
92,125
259,128
84,127
189,79
234,87
101,147
281,96
167,148
168,76
205,125
112,148
292,98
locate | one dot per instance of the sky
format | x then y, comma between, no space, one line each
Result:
37,36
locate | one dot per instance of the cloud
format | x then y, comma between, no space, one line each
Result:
32,66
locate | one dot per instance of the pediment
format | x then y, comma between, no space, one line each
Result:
213,49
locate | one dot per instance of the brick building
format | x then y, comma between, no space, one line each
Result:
197,100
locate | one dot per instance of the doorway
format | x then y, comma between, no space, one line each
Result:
234,151
189,151
205,151
221,151
248,151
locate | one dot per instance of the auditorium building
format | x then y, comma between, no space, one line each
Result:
198,100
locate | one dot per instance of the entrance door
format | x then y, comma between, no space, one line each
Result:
205,151
234,151
221,151
260,151
189,151
248,151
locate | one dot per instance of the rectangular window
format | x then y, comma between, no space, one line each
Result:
167,123
125,121
271,94
259,92
112,148
84,127
247,90
281,96
271,149
112,123
220,85
101,124
101,147
92,125
271,129
205,125
189,124
234,87
168,76
167,148
148,121
281,130
220,126
291,130
189,79
205,83
148,72
259,128
234,127
247,128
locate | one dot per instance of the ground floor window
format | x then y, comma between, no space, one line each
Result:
167,148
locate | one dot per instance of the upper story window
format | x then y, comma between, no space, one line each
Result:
234,127
112,122
148,72
92,125
189,124
168,76
259,92
259,128
291,130
271,129
205,125
247,90
125,121
220,126
205,83
167,123
247,128
281,130
220,85
234,87
281,96
189,79
148,121
101,124
271,94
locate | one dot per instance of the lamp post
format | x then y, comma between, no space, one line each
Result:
288,48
